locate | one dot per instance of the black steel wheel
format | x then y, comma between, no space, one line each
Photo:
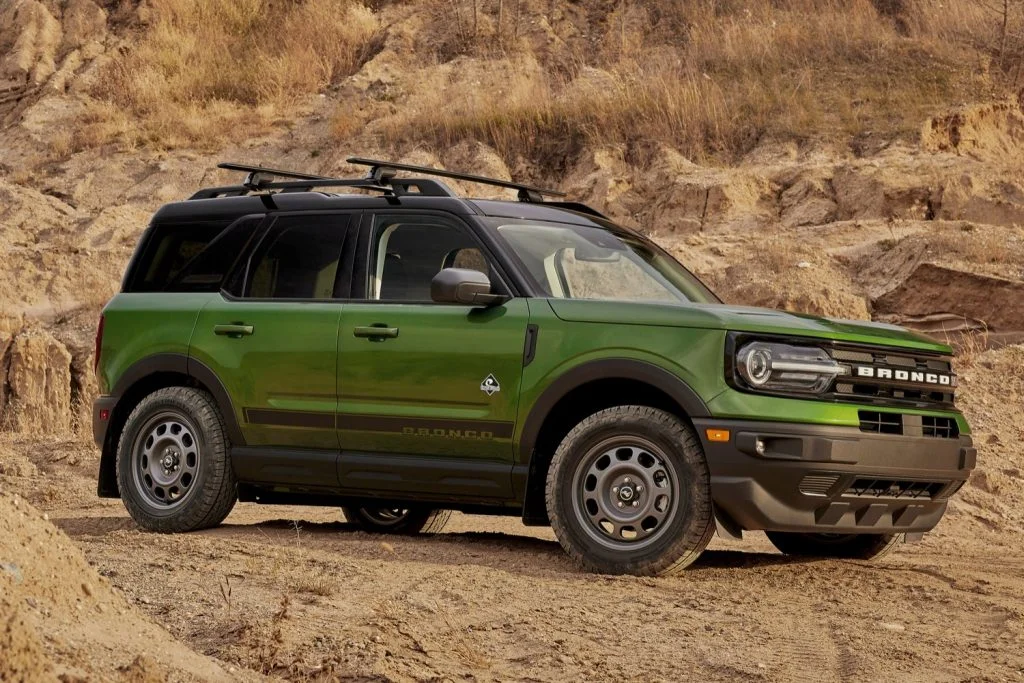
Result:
628,492
404,520
173,467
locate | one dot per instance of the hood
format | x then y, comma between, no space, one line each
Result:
743,319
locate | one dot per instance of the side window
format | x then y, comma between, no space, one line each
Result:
167,251
298,259
408,251
207,270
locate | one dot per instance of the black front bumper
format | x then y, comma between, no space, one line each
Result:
812,478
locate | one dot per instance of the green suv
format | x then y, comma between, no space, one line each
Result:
401,352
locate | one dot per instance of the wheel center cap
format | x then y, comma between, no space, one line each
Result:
626,493
170,459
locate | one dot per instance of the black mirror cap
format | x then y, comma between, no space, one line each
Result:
463,286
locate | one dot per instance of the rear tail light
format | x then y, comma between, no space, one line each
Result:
99,345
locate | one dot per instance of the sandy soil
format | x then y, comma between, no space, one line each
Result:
294,592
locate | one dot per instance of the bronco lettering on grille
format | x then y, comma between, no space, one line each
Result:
913,376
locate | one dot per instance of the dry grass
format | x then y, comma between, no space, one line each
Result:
204,72
986,245
712,78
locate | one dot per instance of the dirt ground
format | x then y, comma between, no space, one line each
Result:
295,592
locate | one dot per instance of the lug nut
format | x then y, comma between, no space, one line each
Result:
620,503
635,503
640,487
615,489
627,480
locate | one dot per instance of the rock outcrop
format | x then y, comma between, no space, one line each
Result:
38,393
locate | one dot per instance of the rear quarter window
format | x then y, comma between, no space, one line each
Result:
189,257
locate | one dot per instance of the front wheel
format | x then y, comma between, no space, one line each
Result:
414,520
629,492
843,546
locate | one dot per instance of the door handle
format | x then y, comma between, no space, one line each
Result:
376,331
233,330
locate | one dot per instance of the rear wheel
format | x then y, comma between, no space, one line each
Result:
412,520
629,492
845,546
173,467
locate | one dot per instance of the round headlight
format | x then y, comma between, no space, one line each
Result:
758,365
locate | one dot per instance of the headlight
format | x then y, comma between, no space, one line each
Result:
782,367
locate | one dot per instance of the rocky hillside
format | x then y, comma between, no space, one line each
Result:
899,204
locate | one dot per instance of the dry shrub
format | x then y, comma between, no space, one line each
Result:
206,71
712,78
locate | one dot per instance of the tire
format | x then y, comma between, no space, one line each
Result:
173,463
844,546
651,463
407,521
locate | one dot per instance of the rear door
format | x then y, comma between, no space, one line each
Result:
422,379
272,339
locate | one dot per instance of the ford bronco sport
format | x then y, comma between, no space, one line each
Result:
402,352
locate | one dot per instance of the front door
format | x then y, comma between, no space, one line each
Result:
273,342
418,378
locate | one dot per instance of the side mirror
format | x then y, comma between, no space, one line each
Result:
463,286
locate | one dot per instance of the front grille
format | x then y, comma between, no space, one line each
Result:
867,487
940,427
888,389
880,423
876,422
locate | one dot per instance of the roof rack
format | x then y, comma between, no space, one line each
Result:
384,171
381,178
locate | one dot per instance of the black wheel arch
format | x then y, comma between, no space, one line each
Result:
143,378
602,383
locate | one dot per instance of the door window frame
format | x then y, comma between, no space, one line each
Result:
346,261
364,271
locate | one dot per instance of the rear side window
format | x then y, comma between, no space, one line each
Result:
298,259
191,257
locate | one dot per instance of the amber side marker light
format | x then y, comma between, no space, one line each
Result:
719,435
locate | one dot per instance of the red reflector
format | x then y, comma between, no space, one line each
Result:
105,414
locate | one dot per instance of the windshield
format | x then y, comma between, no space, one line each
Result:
595,262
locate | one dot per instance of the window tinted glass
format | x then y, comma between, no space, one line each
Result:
407,252
166,252
298,259
206,272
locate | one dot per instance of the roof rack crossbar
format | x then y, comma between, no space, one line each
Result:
260,177
384,171
292,186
